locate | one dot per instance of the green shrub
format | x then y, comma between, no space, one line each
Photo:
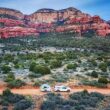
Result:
108,63
34,75
37,84
89,34
41,69
94,74
61,77
103,67
22,105
7,92
16,61
95,84
10,77
19,102
6,69
94,63
32,66
103,80
72,66
4,102
8,57
85,91
71,55
17,66
76,101
16,83
55,64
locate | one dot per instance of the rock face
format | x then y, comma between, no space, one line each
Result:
108,22
17,31
50,15
14,23
12,12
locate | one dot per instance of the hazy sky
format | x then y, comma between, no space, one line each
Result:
93,7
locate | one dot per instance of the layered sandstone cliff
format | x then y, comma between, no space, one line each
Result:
50,15
12,12
14,23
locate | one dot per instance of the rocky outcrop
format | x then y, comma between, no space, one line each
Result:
69,19
12,12
10,22
17,32
14,23
50,15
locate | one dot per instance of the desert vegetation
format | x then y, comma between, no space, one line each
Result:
57,40
77,101
17,102
50,55
55,58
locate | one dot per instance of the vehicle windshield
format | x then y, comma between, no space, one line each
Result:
45,87
64,87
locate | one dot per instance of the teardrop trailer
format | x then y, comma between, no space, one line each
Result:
45,88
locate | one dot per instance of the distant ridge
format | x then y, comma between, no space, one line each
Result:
14,23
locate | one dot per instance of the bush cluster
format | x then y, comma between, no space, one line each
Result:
6,69
55,64
16,83
39,69
18,101
77,101
95,84
72,66
103,67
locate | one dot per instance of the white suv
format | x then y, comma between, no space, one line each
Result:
62,89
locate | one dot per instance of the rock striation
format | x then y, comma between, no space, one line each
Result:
14,23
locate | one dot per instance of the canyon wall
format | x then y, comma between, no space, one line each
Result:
14,23
12,12
50,15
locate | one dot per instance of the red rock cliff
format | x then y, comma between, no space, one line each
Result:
50,15
50,20
12,12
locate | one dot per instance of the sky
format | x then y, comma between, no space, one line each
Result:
92,7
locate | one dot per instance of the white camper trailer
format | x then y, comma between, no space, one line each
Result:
45,88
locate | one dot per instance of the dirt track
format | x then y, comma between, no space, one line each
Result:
35,91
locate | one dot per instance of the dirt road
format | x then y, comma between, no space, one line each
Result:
35,91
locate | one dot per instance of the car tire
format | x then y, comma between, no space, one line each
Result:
68,90
57,90
45,91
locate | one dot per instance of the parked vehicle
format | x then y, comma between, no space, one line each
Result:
45,88
62,89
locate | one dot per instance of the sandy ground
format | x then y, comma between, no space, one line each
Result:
30,90
36,91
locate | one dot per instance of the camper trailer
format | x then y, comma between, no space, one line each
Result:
45,88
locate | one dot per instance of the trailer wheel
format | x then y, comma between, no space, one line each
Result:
68,90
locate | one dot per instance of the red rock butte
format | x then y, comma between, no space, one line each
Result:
14,23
